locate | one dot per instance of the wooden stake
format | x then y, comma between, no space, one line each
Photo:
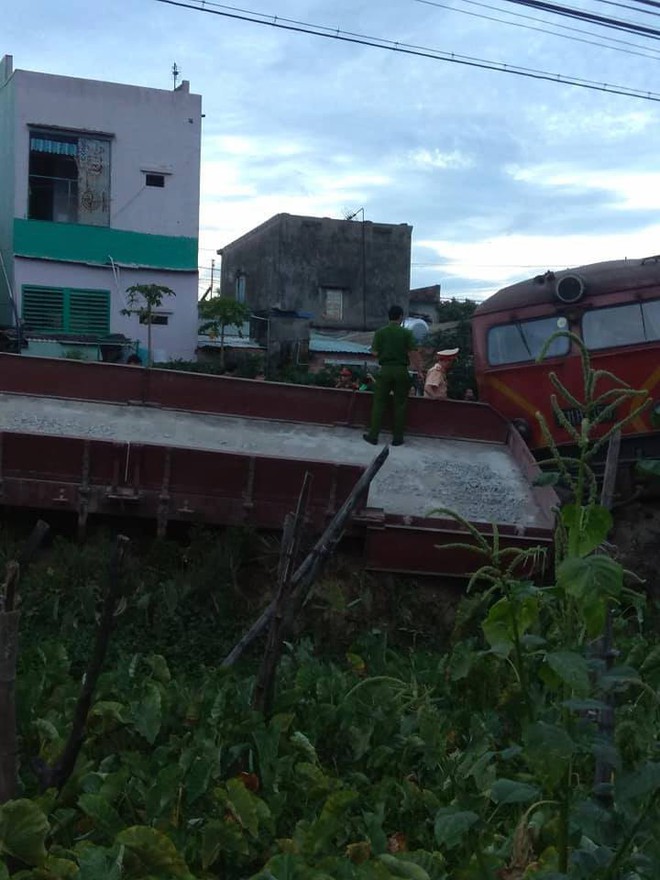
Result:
9,621
284,611
603,770
57,775
305,574
611,468
9,624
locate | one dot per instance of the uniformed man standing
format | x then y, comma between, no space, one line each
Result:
395,347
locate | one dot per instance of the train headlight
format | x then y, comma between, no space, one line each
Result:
522,426
569,288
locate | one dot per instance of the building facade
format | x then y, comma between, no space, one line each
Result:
99,191
345,273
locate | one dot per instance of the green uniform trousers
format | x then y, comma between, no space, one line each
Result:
394,380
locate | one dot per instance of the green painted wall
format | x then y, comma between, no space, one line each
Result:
76,243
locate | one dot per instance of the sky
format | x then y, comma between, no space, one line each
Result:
500,176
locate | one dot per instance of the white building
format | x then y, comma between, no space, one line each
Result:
99,190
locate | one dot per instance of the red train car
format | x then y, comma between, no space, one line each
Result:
614,307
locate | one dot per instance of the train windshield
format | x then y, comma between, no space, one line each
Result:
523,340
621,325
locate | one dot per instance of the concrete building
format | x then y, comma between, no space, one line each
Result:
99,191
346,273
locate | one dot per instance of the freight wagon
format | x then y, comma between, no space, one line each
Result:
114,440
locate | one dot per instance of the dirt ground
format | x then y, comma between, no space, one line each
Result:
637,539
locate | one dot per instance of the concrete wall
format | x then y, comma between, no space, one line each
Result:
176,339
289,260
6,184
255,255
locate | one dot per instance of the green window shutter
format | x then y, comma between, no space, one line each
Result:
89,312
43,309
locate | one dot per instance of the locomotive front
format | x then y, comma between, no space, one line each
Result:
613,307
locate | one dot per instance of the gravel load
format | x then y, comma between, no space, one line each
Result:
480,481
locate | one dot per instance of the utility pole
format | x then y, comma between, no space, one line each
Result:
209,290
364,266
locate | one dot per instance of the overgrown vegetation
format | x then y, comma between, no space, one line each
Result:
525,748
247,366
189,600
325,378
219,313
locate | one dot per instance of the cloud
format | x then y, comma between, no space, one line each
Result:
425,158
624,190
502,260
593,126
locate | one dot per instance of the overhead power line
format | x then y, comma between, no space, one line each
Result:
292,25
592,17
647,51
653,3
630,8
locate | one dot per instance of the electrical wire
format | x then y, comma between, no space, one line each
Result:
636,8
628,7
592,17
643,54
408,49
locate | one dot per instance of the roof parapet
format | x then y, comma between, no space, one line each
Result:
6,68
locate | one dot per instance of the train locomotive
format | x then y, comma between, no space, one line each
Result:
613,307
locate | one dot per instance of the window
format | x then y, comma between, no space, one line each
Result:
240,287
155,180
523,341
161,318
333,305
69,178
62,310
621,325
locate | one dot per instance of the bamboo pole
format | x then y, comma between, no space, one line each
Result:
305,574
603,769
9,626
57,775
284,611
9,622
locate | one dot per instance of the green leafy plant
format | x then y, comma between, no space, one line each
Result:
560,687
219,313
142,299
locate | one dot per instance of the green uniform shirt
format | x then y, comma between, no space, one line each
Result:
391,345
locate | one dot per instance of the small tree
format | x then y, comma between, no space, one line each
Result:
219,313
141,301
